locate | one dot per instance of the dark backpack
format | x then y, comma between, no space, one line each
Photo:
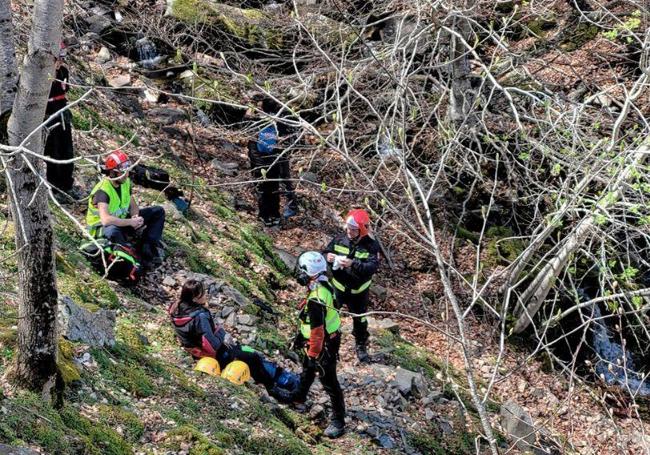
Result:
149,177
267,140
122,261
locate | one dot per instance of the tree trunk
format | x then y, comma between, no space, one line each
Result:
462,96
534,296
9,78
35,366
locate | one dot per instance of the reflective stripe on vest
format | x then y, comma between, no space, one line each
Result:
338,285
345,250
117,207
332,319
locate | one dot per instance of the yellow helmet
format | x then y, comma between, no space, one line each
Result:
208,365
237,372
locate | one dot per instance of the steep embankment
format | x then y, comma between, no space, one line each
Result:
140,393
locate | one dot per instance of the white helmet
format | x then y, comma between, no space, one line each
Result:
312,263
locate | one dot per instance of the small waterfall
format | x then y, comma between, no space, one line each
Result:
614,363
147,54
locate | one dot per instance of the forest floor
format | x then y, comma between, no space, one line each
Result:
143,391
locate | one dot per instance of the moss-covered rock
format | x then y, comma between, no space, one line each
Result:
256,28
502,247
65,363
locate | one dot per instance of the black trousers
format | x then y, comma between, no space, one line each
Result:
154,220
255,362
326,369
289,192
356,303
268,192
59,146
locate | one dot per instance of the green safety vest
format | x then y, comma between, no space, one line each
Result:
332,319
344,250
117,207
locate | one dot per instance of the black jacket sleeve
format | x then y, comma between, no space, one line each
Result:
215,338
330,246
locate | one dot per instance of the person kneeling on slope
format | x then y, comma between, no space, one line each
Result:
201,337
113,212
319,337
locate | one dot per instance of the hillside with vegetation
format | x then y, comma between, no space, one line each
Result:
500,149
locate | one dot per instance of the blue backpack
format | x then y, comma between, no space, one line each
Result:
267,140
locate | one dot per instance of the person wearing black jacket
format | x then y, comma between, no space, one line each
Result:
354,258
201,337
59,137
272,168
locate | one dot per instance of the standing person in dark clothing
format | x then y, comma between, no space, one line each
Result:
201,337
319,338
354,256
271,166
59,137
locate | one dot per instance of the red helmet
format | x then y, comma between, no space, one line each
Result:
117,159
359,219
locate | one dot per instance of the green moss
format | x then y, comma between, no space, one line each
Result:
501,249
269,338
539,25
426,442
65,364
404,354
8,321
127,374
583,33
199,444
28,418
88,289
115,416
84,118
190,10
432,441
103,440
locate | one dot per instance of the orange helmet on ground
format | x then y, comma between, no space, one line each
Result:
116,160
359,219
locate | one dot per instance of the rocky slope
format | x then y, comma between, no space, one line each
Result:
138,394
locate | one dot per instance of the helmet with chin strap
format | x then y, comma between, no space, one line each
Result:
358,219
310,265
116,161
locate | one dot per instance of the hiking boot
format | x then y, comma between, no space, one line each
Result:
362,353
335,429
268,222
275,221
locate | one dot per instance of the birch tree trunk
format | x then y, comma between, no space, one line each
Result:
9,77
462,97
35,366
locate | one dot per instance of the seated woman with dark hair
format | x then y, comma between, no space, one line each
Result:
201,337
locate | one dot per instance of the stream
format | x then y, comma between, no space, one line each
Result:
615,364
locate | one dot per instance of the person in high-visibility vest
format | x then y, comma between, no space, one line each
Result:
113,212
319,337
354,257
